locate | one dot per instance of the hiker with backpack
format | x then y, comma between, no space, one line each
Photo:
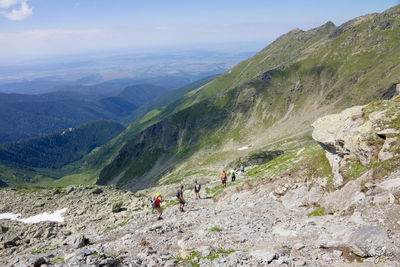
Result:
179,195
197,188
156,204
224,177
242,168
233,175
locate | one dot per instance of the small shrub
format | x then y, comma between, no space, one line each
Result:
215,229
317,212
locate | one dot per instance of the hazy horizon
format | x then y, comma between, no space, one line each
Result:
34,29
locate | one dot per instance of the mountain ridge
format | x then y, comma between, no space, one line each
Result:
304,73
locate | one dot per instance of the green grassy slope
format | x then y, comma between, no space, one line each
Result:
168,98
275,94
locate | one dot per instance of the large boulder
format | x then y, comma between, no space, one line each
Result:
370,241
345,133
76,241
361,133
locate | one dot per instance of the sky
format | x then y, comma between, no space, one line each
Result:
32,29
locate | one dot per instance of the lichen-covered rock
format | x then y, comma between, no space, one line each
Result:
344,133
385,153
360,133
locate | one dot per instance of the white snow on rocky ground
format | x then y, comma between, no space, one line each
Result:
244,147
52,217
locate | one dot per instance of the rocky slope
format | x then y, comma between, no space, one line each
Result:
290,211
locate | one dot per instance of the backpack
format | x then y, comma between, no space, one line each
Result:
223,176
233,174
197,187
178,193
153,203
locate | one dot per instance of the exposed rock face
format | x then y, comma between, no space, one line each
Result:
370,241
356,133
343,134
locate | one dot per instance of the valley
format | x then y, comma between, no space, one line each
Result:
314,117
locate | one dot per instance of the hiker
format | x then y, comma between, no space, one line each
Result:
197,188
223,178
156,203
242,168
179,195
233,175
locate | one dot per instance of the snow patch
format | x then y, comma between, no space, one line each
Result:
52,217
244,148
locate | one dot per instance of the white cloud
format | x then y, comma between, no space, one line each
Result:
8,3
20,10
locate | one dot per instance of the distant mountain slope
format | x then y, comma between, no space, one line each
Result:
17,170
27,116
276,94
142,93
54,96
3,184
30,119
56,150
168,98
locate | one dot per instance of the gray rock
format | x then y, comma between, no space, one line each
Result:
108,262
339,134
36,261
171,263
116,207
384,198
76,241
204,251
300,263
9,244
97,191
385,153
280,190
266,256
4,229
85,252
298,246
150,251
369,241
369,185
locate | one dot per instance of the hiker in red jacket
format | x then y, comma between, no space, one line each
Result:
157,205
224,177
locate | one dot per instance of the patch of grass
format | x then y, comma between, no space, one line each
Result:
215,229
58,260
109,229
218,253
36,251
194,257
172,203
29,190
353,169
317,212
318,165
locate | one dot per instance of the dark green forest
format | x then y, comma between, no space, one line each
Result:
57,150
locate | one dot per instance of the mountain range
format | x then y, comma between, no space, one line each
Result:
263,106
28,116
